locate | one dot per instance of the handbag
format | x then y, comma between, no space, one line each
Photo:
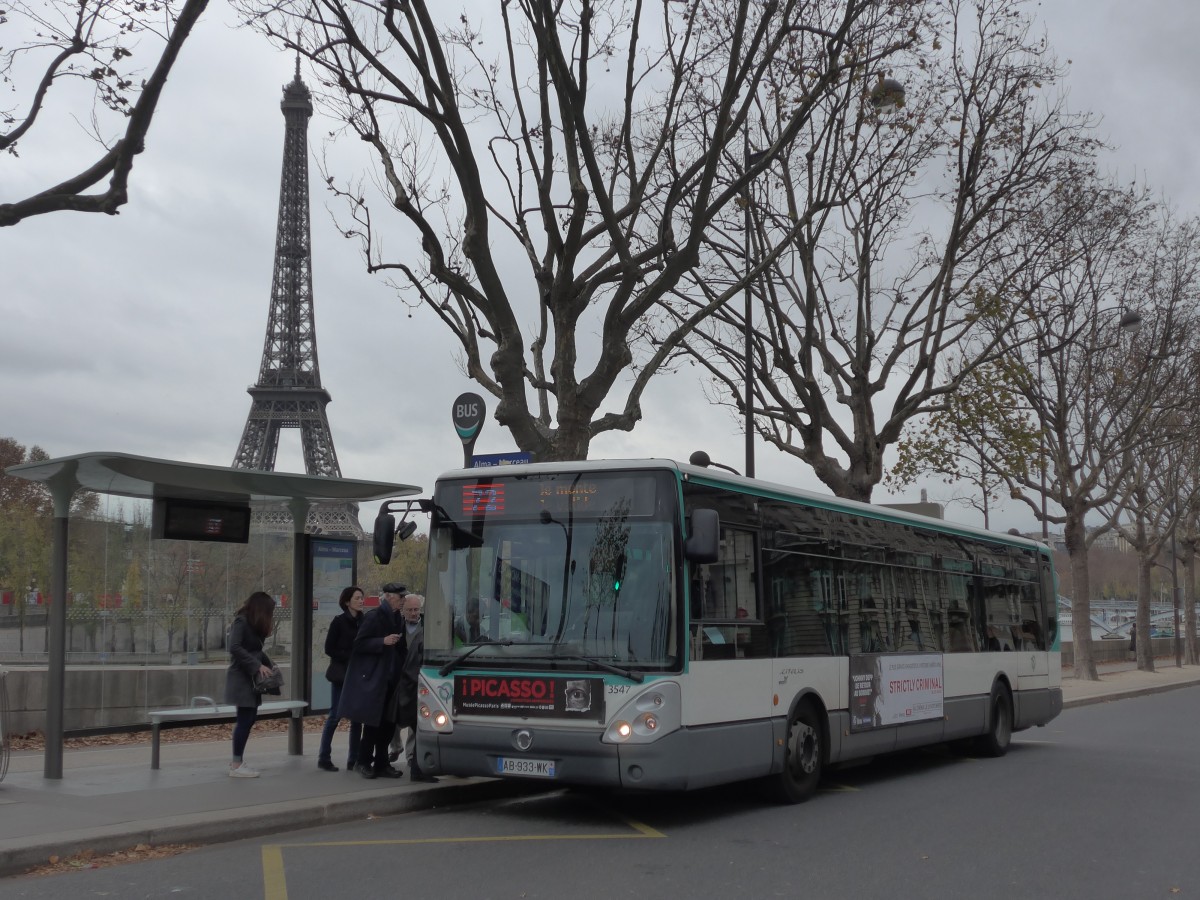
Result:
336,673
266,684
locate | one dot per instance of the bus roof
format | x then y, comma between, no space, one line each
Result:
719,477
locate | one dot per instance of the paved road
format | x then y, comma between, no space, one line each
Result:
1049,821
109,798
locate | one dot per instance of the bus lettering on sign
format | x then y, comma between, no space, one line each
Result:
529,695
893,690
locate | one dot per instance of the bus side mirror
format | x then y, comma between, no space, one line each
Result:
382,539
704,536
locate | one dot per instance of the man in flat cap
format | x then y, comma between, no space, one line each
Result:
369,691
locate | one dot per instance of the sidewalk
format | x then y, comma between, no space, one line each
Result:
1123,679
109,798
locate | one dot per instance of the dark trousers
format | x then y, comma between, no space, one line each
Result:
373,751
246,717
325,751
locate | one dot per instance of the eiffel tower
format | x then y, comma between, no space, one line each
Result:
288,393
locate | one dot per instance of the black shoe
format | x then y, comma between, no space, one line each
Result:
351,765
326,766
393,756
427,779
366,772
390,772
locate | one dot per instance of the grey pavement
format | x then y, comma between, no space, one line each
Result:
110,799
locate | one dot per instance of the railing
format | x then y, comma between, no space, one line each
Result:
134,638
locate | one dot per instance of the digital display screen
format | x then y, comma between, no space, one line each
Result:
181,520
560,495
479,499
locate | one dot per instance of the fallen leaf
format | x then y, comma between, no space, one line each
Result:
88,859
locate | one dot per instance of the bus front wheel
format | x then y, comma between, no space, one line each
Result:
803,755
1000,719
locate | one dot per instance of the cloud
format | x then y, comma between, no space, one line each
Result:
141,332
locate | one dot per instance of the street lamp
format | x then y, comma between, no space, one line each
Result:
885,97
1131,321
1175,599
1175,595
750,159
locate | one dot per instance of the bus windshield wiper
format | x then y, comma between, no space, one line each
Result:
637,677
454,663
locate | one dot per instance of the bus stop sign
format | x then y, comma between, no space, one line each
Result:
467,415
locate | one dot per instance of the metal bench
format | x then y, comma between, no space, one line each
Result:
206,709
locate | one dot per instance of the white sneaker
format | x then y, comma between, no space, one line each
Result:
242,771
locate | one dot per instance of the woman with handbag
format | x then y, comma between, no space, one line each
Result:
250,673
339,642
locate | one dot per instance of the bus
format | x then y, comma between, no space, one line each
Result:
651,625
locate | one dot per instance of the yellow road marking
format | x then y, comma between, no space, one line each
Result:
642,827
275,878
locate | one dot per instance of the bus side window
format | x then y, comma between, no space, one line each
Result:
724,602
1031,635
964,631
804,615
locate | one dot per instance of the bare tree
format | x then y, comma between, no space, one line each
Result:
1188,539
986,406
1187,528
1159,485
874,242
94,43
1100,400
554,167
1148,530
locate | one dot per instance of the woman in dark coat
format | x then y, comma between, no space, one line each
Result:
250,628
339,642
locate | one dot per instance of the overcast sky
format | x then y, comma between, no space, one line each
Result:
140,333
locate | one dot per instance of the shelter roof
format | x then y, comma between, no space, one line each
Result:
141,476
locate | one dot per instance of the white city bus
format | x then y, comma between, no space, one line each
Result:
652,625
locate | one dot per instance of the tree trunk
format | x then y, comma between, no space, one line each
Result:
1145,647
1081,607
1188,558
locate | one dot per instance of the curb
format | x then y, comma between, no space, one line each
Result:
220,826
1131,692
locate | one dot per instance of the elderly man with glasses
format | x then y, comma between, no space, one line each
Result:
369,691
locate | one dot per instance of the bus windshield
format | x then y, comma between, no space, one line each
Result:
555,571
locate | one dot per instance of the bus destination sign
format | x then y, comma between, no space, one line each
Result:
633,495
482,499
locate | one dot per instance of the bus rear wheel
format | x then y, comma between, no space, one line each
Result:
1000,720
804,754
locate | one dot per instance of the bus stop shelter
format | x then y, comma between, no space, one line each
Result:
151,479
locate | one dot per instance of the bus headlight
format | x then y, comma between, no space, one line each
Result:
431,714
646,716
